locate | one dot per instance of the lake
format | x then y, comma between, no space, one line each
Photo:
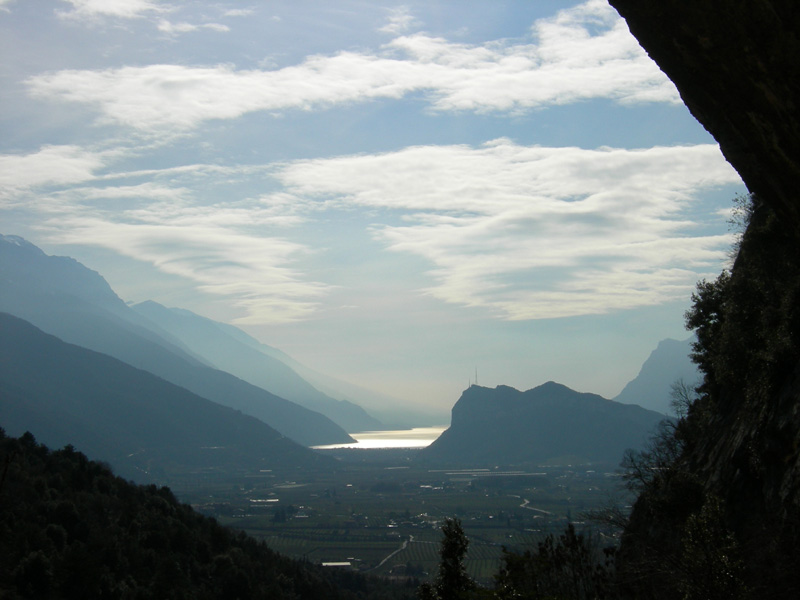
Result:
419,437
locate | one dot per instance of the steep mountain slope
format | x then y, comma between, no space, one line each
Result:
666,365
550,422
216,345
724,518
138,422
62,297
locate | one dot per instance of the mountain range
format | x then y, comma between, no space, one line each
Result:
62,297
547,424
231,350
143,425
179,364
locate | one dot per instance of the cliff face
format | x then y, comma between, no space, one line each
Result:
548,423
735,65
737,480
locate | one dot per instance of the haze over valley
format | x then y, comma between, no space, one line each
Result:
218,362
142,388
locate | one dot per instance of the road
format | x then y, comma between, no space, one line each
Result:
402,547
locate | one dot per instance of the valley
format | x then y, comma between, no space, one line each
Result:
380,511
325,220
172,400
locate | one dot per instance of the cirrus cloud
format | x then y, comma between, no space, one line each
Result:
50,165
175,28
225,250
124,9
533,232
526,232
582,53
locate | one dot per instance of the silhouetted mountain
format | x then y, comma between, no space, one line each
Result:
548,423
64,298
667,364
222,346
129,417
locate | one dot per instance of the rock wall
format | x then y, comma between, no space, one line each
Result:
735,63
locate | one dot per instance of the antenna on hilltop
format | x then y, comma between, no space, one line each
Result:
476,375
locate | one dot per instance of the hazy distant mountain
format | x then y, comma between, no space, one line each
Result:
223,347
550,423
64,298
392,412
138,422
668,363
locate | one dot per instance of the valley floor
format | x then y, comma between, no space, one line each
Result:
380,511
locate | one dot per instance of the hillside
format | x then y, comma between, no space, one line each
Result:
144,426
216,344
64,298
548,423
70,529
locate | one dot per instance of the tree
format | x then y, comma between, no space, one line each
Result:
569,567
452,581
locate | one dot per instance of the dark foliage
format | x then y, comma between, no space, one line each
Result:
567,567
747,323
716,515
70,529
452,581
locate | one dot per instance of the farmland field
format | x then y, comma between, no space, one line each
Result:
381,512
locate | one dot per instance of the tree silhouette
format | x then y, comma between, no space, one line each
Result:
452,581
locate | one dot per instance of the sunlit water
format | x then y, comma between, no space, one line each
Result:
419,437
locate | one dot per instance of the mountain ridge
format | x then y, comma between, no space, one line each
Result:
129,417
666,365
62,297
506,426
217,345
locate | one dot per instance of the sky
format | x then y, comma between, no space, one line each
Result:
404,195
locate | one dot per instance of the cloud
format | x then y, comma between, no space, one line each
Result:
249,271
123,9
239,12
532,232
400,20
50,165
582,53
175,28
93,10
525,232
231,250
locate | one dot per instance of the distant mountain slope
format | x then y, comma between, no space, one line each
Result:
392,412
64,298
506,426
220,347
35,283
129,417
668,363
